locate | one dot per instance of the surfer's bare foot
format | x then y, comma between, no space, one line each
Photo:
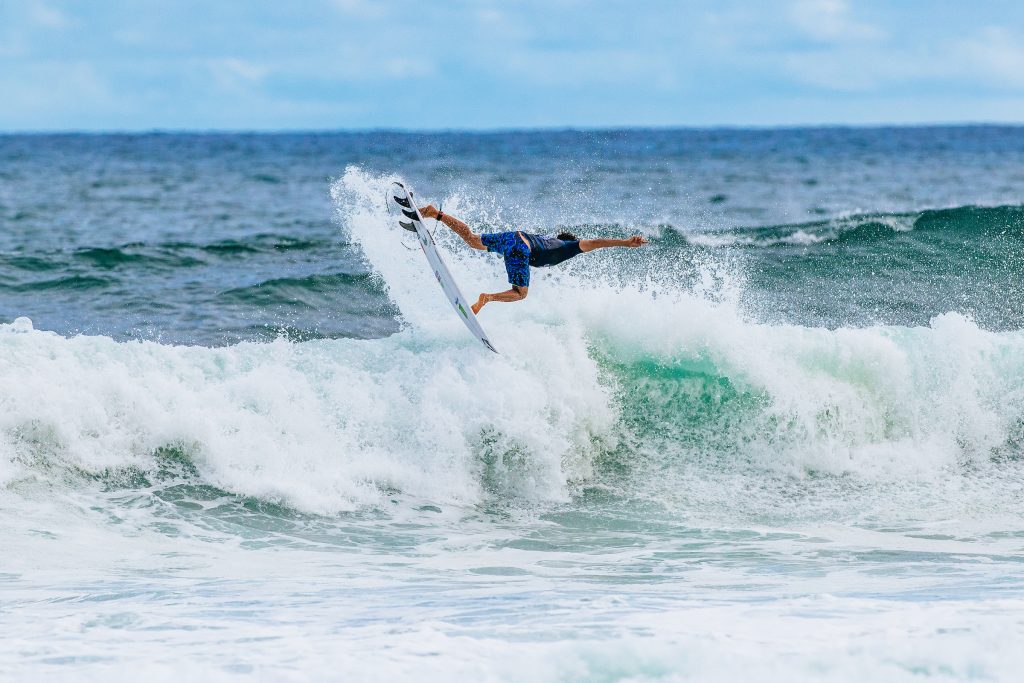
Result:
479,304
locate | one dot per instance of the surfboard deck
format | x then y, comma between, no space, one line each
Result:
411,220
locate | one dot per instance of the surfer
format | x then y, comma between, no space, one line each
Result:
524,249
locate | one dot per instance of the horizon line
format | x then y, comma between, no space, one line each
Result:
505,130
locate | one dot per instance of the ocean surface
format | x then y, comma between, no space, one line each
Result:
243,437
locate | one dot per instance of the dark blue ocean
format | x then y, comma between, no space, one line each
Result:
242,435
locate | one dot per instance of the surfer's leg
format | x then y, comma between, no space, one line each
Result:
457,226
515,294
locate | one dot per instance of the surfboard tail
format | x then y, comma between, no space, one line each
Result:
412,220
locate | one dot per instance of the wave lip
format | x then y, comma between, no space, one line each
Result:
67,282
175,254
313,292
973,223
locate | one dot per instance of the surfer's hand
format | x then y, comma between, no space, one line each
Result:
636,241
429,211
479,303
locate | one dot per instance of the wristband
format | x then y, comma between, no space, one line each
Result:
440,215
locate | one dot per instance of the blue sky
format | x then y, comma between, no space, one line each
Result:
481,64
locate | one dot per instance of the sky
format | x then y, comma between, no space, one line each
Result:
108,65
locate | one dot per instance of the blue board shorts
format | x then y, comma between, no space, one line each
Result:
516,253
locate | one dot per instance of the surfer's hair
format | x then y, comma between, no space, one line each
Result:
568,236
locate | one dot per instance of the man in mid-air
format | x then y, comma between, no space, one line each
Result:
522,250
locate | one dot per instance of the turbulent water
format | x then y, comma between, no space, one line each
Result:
243,436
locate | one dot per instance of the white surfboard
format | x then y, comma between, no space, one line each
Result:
411,220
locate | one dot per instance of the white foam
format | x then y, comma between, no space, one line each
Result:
321,425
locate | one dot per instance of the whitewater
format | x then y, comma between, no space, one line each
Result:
763,452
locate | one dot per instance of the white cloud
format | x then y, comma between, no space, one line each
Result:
131,37
46,16
731,29
497,26
830,21
361,8
402,67
835,71
864,68
13,46
991,57
584,68
236,74
994,56
491,15
39,95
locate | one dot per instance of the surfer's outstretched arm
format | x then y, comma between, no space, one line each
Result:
460,228
591,245
517,293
